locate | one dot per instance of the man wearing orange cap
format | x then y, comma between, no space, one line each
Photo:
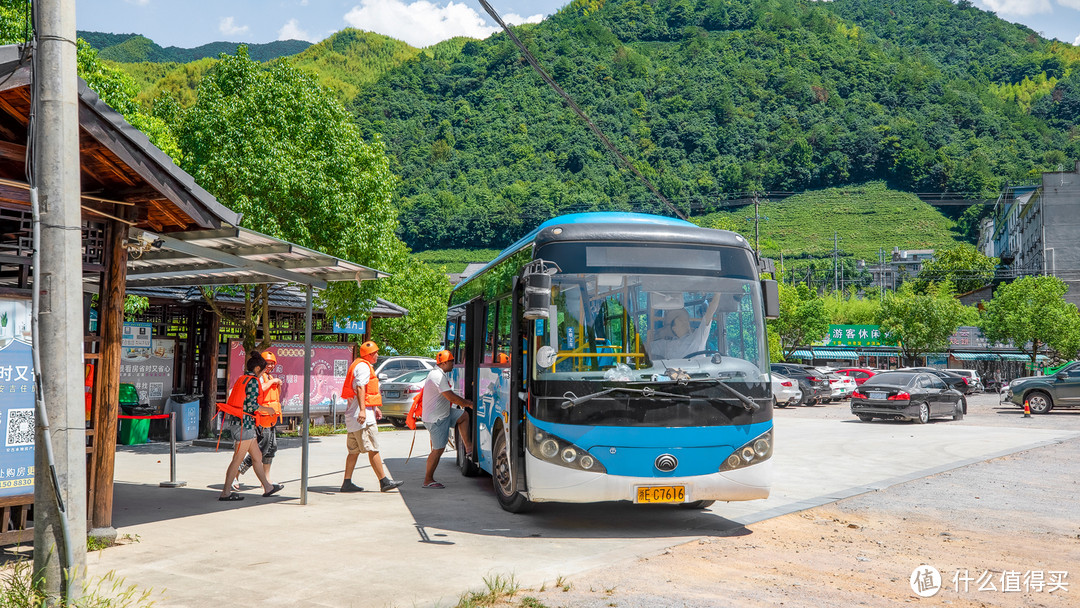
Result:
361,390
265,431
438,416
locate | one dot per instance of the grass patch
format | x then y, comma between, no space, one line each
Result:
499,588
18,590
315,430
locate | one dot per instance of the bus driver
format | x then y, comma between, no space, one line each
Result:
674,340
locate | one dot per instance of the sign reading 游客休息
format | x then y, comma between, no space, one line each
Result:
16,399
856,335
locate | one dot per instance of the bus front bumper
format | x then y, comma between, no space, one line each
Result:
553,483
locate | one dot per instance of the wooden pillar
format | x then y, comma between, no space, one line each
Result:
191,343
111,321
209,364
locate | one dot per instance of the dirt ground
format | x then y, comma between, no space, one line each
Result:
1000,523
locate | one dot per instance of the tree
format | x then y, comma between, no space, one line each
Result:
1032,313
923,321
850,309
270,143
964,265
802,319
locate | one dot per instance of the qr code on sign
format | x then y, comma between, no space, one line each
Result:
341,367
20,427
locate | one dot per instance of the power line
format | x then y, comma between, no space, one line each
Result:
577,110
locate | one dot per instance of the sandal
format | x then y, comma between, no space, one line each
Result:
434,486
274,490
231,497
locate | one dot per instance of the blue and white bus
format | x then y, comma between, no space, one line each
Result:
617,356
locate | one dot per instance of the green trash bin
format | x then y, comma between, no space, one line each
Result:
132,431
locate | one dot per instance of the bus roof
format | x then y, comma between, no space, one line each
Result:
595,217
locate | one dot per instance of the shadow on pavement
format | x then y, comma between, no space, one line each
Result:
468,504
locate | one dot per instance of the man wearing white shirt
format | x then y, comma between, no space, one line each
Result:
438,416
361,390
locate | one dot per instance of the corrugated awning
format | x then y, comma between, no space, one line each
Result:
802,354
974,356
235,256
835,353
1014,357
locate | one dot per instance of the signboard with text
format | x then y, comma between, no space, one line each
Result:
329,363
856,335
16,399
348,326
150,368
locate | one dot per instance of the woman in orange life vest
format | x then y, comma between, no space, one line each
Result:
240,409
265,434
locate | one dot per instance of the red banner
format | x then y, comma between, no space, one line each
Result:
329,362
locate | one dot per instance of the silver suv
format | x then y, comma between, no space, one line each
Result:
974,380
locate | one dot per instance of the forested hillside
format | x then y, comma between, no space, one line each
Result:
134,48
715,96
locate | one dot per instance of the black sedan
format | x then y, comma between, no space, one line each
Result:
911,395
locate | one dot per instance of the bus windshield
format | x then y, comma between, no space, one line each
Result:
688,340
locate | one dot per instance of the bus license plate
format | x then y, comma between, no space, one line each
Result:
647,494
877,395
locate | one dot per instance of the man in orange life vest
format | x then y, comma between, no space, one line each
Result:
265,433
361,389
438,416
240,409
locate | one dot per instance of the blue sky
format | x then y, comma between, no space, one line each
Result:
189,23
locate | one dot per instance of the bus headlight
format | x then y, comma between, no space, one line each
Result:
549,448
757,450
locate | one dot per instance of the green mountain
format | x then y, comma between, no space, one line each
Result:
351,58
711,97
134,48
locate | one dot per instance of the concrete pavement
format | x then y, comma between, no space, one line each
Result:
420,547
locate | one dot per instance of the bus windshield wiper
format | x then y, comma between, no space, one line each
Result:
747,402
572,400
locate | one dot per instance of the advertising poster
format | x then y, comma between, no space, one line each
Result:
16,399
151,368
329,363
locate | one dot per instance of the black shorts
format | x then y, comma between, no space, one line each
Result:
267,443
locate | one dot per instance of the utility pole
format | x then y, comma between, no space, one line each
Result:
60,464
835,250
757,218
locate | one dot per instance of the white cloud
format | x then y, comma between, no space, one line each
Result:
423,23
1070,4
139,2
1019,7
291,31
1077,41
229,28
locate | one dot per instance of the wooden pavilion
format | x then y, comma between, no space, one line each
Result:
144,222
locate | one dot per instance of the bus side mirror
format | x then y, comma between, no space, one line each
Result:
537,278
770,292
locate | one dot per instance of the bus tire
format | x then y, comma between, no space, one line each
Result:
697,504
509,499
467,467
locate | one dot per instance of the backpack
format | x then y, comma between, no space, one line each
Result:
416,410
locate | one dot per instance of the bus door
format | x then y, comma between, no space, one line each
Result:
475,313
520,338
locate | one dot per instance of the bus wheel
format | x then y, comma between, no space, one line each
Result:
509,499
697,504
464,463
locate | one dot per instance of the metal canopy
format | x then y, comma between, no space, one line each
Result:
236,256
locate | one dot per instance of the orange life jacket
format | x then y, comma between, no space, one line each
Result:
372,396
234,405
270,397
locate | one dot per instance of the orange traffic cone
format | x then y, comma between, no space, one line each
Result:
1027,409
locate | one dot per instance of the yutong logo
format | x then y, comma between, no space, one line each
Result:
666,462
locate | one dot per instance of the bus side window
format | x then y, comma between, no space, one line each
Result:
489,333
502,335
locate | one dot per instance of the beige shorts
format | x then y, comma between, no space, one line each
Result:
363,441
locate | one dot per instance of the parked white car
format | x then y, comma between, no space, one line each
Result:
842,386
785,391
388,368
974,380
